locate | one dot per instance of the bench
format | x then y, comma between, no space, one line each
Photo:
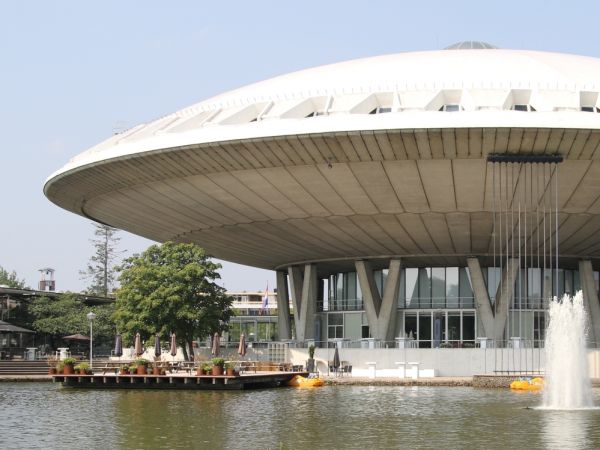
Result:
402,369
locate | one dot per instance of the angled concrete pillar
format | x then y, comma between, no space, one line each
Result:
505,295
482,299
381,312
283,307
303,283
590,299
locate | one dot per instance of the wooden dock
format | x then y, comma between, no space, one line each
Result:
177,381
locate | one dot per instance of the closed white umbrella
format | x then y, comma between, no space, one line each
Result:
173,346
138,345
216,345
242,347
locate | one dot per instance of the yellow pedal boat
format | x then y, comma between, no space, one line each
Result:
528,384
300,381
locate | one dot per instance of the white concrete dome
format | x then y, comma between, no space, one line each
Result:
367,158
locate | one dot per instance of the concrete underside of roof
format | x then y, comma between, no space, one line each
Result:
424,194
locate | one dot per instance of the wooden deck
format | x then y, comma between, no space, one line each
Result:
177,381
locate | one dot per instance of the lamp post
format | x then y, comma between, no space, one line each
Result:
91,316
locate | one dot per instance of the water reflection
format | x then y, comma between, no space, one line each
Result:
42,415
568,429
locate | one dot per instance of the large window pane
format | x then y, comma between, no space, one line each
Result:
412,288
452,287
568,282
438,287
339,291
561,282
410,326
468,331
454,328
351,290
465,289
576,281
493,281
425,330
402,289
534,287
425,287
377,274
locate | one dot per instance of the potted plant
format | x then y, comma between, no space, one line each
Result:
142,366
310,363
124,369
60,367
82,368
207,368
69,366
52,363
155,369
133,368
230,369
217,368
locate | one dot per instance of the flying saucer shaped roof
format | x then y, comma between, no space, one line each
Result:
301,164
470,45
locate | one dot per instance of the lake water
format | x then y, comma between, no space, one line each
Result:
44,415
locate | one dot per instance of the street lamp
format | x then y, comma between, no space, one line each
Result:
91,316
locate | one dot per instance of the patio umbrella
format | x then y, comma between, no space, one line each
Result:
138,345
336,360
118,346
157,349
173,346
76,337
216,345
242,347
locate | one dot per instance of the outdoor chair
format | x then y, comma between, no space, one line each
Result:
346,368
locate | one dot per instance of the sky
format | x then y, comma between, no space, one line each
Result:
74,72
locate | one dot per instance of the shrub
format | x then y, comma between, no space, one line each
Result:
69,360
141,362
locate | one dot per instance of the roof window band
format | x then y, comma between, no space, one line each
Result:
514,158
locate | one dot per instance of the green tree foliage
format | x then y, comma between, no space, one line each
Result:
11,279
171,288
102,269
55,318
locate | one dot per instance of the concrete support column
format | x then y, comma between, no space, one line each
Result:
590,299
505,295
303,283
283,307
381,312
482,299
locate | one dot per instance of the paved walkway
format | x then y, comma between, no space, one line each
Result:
396,381
13,378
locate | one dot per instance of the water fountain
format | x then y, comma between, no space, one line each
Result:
567,379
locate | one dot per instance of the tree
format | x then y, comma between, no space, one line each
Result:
55,318
171,288
101,269
10,279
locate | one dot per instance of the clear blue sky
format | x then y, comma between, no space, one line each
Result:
73,71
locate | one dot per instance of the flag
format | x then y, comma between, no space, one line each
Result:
265,300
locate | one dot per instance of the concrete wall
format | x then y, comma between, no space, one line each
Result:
445,362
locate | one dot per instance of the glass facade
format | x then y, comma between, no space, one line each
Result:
438,302
435,288
345,293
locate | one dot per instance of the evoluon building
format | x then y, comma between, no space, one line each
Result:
440,195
